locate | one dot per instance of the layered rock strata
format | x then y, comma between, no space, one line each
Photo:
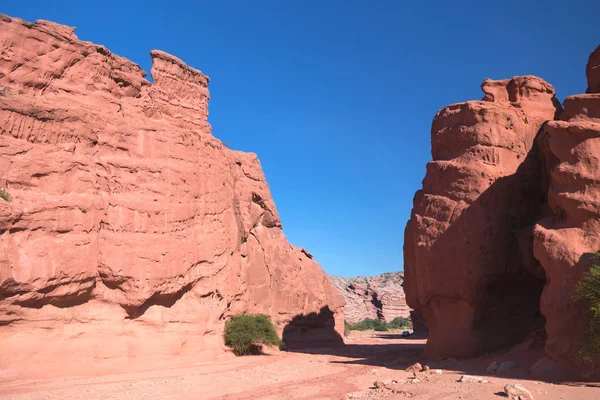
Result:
376,297
132,232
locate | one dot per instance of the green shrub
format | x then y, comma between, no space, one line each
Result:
377,325
246,334
400,323
369,324
588,291
5,195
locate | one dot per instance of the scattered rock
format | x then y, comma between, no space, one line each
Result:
416,367
426,368
517,392
506,366
379,384
472,379
436,371
492,367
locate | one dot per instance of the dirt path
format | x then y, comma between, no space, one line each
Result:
320,374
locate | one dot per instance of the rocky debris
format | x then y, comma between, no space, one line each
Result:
416,367
472,379
509,204
130,223
375,297
379,384
517,392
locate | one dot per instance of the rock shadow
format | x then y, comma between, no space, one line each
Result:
488,251
312,330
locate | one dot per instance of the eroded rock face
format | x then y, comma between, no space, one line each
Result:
130,223
375,297
565,241
467,252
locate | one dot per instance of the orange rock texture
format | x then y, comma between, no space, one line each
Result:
132,232
508,219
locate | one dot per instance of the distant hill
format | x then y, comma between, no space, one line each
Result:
381,297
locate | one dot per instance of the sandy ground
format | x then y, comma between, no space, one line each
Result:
344,373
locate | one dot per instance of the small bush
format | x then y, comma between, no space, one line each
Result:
588,291
246,334
5,195
377,325
400,323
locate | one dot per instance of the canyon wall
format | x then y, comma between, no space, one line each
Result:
132,232
376,297
507,219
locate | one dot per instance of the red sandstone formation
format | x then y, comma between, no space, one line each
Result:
376,297
501,217
464,269
132,231
566,239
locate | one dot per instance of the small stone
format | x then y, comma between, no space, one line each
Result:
374,371
472,379
426,368
506,366
416,367
436,371
517,392
414,380
379,385
492,367
388,381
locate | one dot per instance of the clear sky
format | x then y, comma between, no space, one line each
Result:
337,96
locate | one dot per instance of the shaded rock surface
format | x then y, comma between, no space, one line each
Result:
508,219
564,242
376,297
464,268
130,224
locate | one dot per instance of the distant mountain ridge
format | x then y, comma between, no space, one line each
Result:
379,297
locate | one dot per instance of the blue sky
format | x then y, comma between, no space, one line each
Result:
337,96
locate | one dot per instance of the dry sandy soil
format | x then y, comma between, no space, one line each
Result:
344,373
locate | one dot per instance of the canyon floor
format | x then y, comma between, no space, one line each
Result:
343,373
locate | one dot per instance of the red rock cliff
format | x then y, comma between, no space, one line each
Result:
464,269
508,219
130,224
565,241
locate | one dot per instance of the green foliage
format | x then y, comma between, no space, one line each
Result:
377,325
246,334
588,291
5,195
400,323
